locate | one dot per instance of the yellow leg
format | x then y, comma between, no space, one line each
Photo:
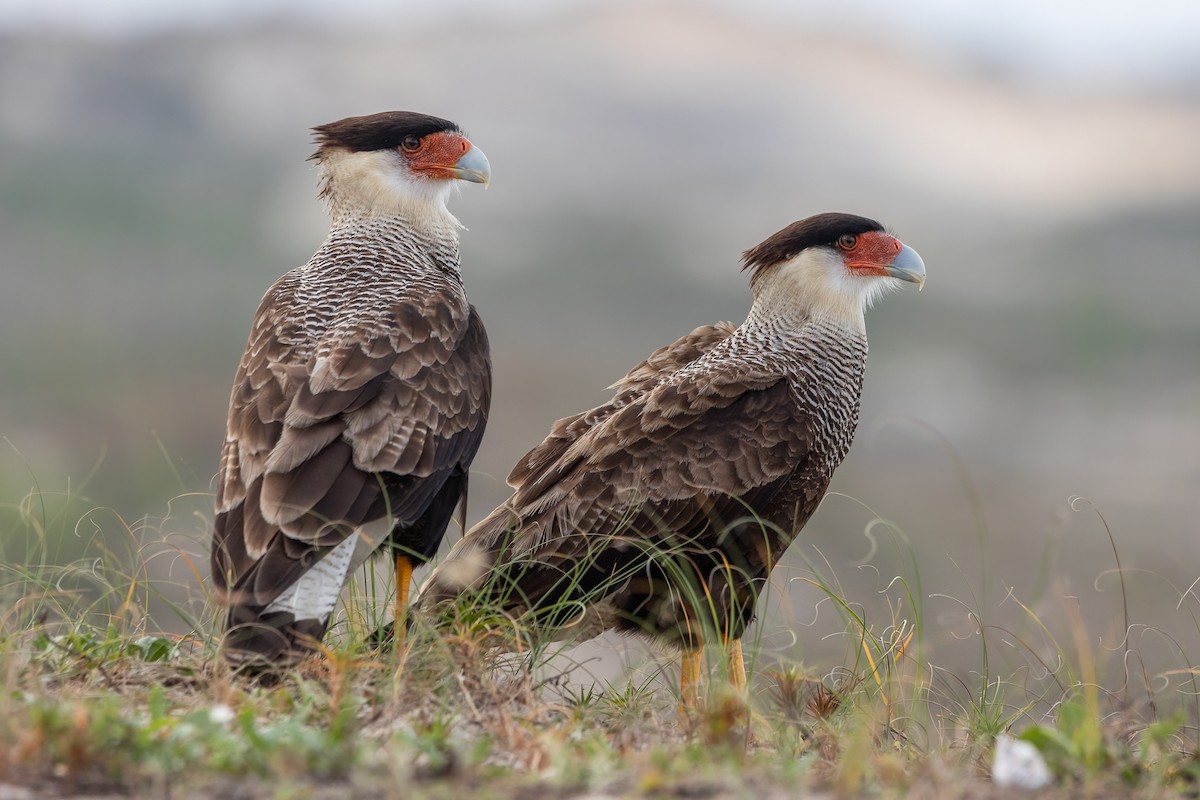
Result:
689,680
737,667
404,571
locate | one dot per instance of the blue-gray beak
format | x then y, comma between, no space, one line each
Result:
474,167
907,266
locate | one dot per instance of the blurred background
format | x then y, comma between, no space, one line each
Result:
1043,158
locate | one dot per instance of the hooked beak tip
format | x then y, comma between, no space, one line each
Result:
473,166
908,266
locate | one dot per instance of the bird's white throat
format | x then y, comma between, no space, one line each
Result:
816,285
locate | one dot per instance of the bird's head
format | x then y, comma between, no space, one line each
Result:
394,162
831,265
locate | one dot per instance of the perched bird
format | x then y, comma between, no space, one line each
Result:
363,393
663,511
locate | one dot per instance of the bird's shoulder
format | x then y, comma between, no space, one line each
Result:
687,433
669,358
334,324
643,377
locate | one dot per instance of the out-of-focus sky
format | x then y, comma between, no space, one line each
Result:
1078,41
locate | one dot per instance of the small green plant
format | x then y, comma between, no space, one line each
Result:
1075,743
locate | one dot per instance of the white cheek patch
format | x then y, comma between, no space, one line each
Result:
379,183
817,280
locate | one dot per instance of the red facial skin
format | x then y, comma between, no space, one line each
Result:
436,154
870,253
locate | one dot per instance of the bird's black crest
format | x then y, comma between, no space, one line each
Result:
382,131
821,229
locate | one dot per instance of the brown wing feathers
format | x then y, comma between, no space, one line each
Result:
317,449
668,465
643,377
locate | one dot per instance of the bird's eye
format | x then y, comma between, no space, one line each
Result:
410,143
847,241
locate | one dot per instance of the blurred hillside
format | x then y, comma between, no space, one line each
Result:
152,187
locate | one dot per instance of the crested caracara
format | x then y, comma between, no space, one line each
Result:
363,393
663,511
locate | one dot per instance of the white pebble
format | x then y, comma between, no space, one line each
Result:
221,714
1018,764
